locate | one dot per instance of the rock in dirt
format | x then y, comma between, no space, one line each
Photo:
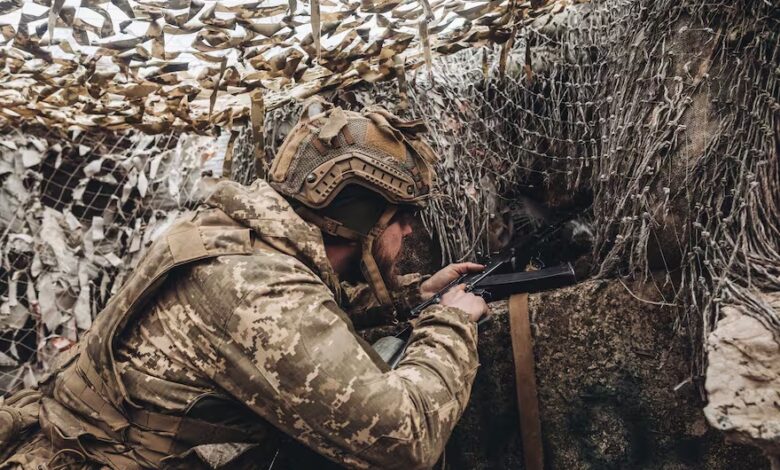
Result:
743,378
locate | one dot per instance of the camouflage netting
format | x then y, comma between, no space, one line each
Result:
75,216
192,65
665,116
656,122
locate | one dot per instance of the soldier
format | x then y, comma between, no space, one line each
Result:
230,333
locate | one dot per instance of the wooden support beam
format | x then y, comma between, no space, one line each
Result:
525,381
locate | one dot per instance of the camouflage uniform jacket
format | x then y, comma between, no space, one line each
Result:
256,333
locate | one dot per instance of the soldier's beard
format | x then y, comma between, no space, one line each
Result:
387,264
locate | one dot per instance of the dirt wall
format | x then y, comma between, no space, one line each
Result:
614,389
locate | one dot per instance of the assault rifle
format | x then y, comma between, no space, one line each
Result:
502,277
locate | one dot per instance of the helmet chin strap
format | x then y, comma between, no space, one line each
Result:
368,264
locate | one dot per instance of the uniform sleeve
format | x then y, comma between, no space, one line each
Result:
364,309
289,354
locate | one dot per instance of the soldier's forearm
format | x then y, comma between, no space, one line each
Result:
443,340
446,337
308,374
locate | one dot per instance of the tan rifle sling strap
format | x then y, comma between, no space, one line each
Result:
525,381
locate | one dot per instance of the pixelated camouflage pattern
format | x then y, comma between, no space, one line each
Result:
365,310
255,343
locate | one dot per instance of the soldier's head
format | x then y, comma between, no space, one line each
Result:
359,177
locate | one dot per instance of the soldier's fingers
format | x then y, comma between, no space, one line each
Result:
455,291
463,268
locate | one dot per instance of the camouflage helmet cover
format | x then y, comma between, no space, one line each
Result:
375,149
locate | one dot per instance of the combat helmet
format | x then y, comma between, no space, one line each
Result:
349,173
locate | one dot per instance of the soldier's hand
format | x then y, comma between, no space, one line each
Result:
446,275
473,305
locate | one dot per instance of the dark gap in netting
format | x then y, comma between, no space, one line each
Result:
62,177
20,344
